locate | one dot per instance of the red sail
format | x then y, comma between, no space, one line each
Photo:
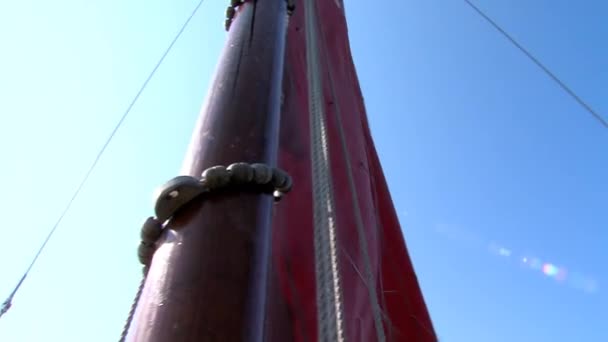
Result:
367,230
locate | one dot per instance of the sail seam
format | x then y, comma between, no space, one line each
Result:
328,288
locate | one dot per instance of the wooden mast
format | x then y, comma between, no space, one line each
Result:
207,281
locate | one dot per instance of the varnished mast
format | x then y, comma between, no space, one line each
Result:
207,281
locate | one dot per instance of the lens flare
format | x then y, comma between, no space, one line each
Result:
504,252
550,270
561,274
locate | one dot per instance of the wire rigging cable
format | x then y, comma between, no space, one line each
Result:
8,302
538,63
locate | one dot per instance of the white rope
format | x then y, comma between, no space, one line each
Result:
369,276
329,302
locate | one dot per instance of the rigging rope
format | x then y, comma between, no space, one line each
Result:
368,279
8,302
538,63
327,272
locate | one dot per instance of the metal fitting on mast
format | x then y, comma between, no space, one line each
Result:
291,6
231,11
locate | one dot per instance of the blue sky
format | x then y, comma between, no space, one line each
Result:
489,162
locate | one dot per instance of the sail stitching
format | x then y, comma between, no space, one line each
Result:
329,303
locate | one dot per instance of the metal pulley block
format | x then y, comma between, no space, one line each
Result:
175,194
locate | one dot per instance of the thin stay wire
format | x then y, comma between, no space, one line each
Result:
538,63
8,302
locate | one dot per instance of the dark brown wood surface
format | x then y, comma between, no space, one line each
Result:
208,280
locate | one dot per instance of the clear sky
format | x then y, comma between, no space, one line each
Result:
498,176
